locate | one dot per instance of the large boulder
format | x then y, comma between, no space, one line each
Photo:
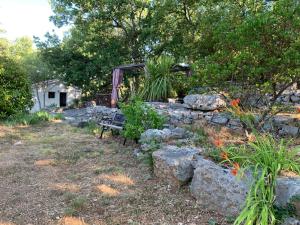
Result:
295,99
219,119
216,189
286,130
291,221
155,135
174,164
204,102
279,120
235,124
166,134
288,192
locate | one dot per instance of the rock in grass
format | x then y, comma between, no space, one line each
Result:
295,99
288,192
204,102
291,221
286,130
174,164
155,135
216,189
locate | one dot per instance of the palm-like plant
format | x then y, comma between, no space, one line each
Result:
158,81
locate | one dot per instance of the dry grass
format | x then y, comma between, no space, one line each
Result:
51,170
72,221
44,162
224,134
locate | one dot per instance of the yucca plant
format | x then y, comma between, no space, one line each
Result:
158,81
266,157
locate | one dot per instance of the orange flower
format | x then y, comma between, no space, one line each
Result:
236,168
234,172
218,143
235,103
298,110
224,155
236,165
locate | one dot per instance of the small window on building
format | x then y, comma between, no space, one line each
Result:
51,94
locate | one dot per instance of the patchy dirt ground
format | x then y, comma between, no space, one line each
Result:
58,174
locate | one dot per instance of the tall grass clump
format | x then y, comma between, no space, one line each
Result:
31,118
266,157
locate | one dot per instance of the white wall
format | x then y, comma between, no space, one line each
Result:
72,94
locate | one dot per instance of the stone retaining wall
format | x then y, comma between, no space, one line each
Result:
92,113
213,186
178,114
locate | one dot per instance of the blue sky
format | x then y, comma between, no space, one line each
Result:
26,18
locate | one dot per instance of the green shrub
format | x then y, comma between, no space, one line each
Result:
266,157
15,91
139,117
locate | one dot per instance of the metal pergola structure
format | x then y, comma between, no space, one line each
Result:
118,73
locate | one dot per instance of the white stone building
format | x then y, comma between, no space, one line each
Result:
53,93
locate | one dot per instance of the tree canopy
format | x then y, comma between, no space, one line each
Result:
15,91
253,43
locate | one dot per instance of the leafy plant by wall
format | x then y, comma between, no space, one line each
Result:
139,117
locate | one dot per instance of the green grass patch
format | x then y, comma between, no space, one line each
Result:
92,128
69,157
31,118
75,204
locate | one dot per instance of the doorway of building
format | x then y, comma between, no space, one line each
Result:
62,99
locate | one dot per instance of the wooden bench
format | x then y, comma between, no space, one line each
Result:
115,123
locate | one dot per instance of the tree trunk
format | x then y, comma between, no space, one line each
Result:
272,103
